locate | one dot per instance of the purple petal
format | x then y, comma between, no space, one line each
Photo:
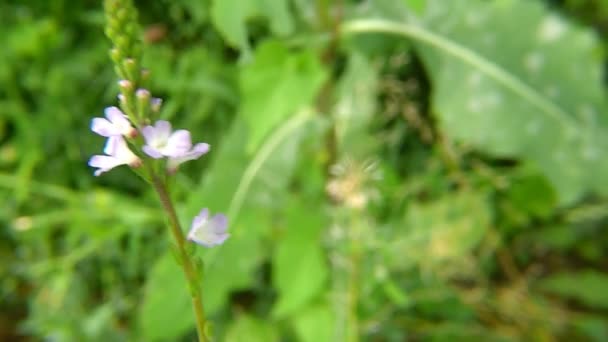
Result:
220,239
178,144
200,149
103,127
158,134
200,219
152,152
208,232
197,151
218,224
115,115
163,129
112,145
104,163
156,103
149,134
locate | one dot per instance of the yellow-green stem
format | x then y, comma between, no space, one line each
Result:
186,262
354,256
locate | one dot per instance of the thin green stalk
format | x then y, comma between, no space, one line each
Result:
467,56
185,261
353,289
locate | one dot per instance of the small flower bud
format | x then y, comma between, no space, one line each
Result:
119,72
122,43
115,55
110,32
155,104
130,29
145,75
135,163
130,67
136,49
122,14
143,95
143,102
125,86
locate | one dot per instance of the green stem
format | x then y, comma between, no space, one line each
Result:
467,56
354,255
185,261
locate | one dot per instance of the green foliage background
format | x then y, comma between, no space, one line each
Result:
392,170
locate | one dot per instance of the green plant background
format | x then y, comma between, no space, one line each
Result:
444,177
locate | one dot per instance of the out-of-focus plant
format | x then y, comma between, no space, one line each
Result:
162,150
392,170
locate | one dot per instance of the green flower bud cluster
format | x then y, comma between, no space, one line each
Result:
123,30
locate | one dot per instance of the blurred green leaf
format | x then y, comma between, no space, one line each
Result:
298,263
230,16
533,195
275,86
247,328
521,97
593,326
315,323
442,231
248,189
231,266
356,105
587,286
416,5
166,312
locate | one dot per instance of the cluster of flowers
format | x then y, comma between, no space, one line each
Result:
160,142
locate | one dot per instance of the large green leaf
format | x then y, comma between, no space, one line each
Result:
276,85
247,328
548,113
248,190
230,16
505,83
298,264
315,323
166,312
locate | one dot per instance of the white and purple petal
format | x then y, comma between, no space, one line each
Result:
197,151
156,138
115,123
104,163
208,232
117,153
178,144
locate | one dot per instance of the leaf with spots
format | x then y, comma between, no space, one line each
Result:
504,83
533,102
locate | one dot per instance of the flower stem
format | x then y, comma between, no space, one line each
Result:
190,269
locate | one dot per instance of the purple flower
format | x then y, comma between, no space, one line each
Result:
208,232
118,153
160,142
116,124
197,151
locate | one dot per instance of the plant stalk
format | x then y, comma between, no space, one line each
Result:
189,268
